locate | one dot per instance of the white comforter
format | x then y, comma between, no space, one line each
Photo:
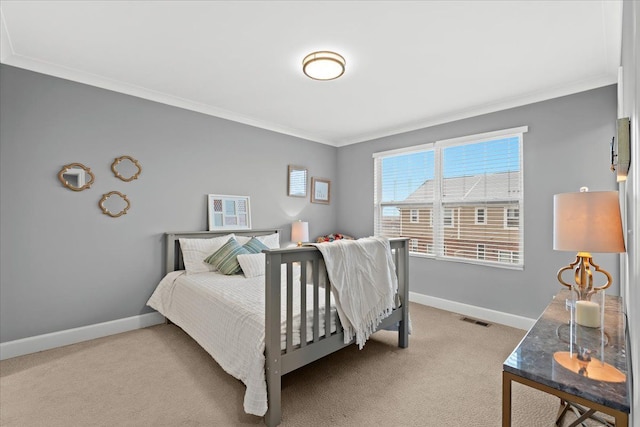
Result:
226,316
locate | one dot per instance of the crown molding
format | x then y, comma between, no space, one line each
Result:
478,110
117,86
101,82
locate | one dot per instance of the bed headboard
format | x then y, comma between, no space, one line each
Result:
174,254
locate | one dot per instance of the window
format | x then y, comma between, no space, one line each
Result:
447,217
511,217
480,251
413,245
481,218
469,188
508,257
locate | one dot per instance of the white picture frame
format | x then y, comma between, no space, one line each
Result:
228,212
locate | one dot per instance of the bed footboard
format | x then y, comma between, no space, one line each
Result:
278,361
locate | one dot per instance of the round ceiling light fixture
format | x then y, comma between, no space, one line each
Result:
323,65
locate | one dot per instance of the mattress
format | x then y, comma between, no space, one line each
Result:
226,316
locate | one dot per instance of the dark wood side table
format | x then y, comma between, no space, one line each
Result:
536,362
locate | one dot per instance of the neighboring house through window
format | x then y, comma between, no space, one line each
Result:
458,199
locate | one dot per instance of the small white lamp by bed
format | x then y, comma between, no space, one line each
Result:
300,232
587,222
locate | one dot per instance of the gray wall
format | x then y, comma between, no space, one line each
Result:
630,107
63,264
567,147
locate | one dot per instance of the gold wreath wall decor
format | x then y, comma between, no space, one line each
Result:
118,160
107,196
76,169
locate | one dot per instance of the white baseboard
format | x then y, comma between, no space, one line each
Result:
71,336
479,313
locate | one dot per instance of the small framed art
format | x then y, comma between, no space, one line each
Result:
297,181
228,212
320,190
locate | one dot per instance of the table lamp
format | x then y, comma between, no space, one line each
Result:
300,232
587,222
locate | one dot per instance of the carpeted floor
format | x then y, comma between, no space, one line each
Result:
449,376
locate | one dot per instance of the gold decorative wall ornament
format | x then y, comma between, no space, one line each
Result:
76,176
110,201
126,168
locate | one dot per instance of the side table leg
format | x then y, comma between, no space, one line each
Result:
506,400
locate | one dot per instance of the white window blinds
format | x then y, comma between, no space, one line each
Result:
458,199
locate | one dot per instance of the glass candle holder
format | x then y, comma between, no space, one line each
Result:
589,307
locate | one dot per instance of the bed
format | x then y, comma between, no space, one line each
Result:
262,327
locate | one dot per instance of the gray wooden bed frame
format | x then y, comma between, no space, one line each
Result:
280,362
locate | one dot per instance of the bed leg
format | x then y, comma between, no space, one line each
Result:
403,329
273,416
403,287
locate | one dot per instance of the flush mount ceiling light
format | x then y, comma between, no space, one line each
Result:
323,65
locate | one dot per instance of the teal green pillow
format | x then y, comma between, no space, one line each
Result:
225,259
255,246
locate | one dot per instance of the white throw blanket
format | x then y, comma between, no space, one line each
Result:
363,280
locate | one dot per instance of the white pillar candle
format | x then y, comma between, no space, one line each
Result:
588,314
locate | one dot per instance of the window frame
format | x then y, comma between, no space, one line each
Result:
481,248
452,217
438,206
484,215
413,220
507,217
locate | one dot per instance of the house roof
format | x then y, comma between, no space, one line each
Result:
503,186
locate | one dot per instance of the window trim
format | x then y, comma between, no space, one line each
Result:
506,218
411,216
437,205
444,217
481,247
484,215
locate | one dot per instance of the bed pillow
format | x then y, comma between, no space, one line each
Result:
225,259
252,265
271,240
255,246
194,251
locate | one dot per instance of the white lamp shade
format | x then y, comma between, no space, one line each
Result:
587,222
300,231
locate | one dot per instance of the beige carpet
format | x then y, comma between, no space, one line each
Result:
449,376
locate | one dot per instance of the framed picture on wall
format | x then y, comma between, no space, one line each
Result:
297,181
320,190
228,212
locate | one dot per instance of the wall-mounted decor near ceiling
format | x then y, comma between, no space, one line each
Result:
228,212
320,191
620,150
297,181
126,168
114,204
76,176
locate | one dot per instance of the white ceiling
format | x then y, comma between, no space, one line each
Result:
410,64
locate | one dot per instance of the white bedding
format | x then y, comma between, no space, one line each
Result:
226,316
